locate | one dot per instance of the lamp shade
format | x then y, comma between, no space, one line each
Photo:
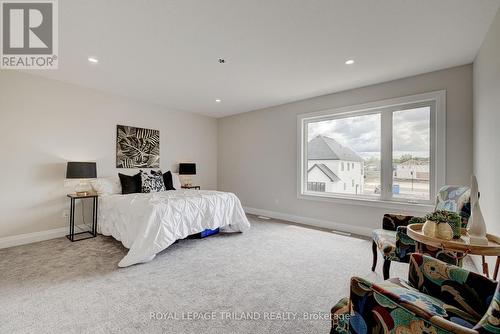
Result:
187,169
81,170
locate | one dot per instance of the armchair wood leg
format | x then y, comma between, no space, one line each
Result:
486,271
374,250
497,264
387,267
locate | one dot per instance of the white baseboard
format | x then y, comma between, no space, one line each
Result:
365,231
28,238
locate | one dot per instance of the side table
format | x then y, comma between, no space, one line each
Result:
462,245
93,232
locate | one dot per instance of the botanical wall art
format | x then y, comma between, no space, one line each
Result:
137,147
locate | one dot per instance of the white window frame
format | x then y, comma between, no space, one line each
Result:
435,100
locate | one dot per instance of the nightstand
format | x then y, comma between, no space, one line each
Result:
93,232
191,187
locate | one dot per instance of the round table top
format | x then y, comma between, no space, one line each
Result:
463,244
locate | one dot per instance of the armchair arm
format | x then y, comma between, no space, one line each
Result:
404,244
384,307
467,291
392,221
490,322
340,315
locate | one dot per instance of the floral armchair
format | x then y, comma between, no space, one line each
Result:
437,298
395,245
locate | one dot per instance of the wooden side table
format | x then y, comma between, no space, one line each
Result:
462,245
93,232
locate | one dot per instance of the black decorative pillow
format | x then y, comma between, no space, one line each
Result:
152,183
130,184
167,180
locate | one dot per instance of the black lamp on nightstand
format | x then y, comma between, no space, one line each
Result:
187,169
81,171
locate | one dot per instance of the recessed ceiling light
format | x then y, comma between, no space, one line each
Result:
349,62
218,100
93,60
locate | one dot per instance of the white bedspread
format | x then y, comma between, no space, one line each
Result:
149,223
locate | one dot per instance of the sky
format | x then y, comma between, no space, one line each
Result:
411,132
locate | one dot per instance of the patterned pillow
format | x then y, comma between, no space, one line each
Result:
152,183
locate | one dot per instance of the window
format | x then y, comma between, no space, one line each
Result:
346,139
411,153
394,150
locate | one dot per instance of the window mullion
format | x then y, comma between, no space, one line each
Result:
303,154
386,155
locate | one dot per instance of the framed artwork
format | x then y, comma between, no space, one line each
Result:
137,147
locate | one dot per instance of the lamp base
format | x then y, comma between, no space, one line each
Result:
83,188
186,180
82,193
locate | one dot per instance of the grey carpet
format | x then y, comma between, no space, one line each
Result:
57,286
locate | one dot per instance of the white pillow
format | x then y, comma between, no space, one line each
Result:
107,185
176,182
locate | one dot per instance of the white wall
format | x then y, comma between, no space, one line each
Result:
258,150
487,125
44,123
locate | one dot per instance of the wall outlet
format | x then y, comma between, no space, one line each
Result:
65,214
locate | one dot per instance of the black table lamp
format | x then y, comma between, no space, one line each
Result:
187,169
81,171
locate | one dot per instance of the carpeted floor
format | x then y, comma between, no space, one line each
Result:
57,286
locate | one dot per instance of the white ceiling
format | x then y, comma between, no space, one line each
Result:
276,51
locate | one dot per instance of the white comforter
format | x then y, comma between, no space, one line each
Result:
149,223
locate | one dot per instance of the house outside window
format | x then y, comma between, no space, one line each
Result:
394,150
316,186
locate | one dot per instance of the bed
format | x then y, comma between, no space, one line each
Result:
148,223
